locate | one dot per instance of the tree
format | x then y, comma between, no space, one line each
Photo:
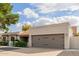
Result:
26,27
6,16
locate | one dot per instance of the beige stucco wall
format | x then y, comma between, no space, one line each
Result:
50,29
74,42
62,28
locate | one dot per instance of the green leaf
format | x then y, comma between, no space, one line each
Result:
6,16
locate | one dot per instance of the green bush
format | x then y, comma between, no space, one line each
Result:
20,43
4,43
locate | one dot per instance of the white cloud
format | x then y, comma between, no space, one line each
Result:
50,7
15,28
20,13
19,25
27,22
30,13
43,21
73,20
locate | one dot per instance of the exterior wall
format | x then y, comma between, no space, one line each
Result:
29,41
50,29
1,37
62,28
9,38
74,42
66,41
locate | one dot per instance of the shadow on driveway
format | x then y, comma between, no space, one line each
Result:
7,49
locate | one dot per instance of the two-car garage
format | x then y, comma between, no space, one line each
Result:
48,41
50,36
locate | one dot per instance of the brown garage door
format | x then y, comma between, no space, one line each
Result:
48,41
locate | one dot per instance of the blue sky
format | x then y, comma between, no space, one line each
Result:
45,14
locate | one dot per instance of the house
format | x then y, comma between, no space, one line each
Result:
57,36
74,29
14,36
10,36
51,36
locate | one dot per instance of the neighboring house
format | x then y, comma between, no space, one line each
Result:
10,36
14,36
51,36
74,29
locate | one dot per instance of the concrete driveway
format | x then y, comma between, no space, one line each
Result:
8,51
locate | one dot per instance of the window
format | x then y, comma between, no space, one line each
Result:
12,38
4,38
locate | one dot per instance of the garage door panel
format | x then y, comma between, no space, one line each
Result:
48,41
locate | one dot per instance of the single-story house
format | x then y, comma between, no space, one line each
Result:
10,36
57,36
51,36
14,35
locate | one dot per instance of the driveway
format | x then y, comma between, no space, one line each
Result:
10,51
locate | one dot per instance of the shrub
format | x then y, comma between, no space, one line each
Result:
4,43
20,43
